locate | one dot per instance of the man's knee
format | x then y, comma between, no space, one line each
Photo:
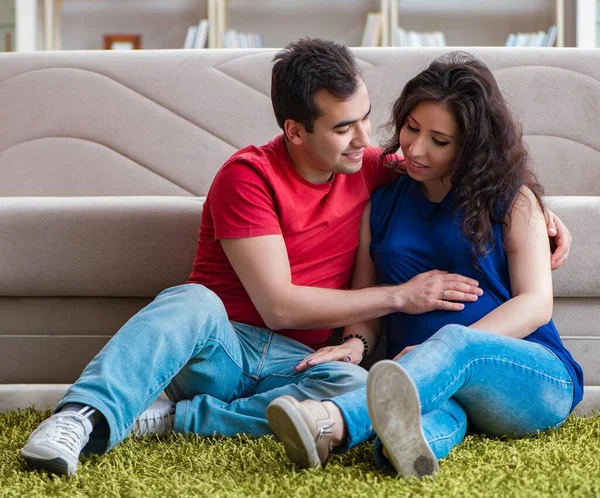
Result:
192,298
186,309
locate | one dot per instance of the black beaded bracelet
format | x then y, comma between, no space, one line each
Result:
364,341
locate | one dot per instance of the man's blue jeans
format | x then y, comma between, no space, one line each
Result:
222,374
503,386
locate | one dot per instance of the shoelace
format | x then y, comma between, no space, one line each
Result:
69,429
153,423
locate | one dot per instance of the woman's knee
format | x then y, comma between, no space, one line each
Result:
452,334
454,339
442,346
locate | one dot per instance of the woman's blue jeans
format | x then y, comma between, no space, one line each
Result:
503,386
222,374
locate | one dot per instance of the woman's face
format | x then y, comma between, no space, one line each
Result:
429,141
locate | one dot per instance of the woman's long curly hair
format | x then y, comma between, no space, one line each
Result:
492,162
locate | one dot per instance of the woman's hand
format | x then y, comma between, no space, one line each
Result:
350,352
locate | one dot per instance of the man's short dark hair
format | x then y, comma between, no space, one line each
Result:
303,68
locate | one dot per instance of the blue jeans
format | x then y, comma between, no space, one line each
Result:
222,374
503,386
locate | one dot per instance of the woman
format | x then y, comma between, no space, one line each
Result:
470,204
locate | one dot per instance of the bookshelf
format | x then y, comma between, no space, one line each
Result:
70,24
479,22
282,21
462,22
82,24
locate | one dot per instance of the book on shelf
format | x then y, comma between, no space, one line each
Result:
238,39
190,36
551,36
539,39
197,35
373,28
404,38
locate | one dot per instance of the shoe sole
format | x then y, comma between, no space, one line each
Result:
53,465
395,411
289,425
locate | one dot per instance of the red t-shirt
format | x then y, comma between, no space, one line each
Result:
259,192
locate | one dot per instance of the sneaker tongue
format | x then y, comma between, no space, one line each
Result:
74,418
81,413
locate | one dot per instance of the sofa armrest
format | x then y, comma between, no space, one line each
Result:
579,278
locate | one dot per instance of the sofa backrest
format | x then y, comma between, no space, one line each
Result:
105,158
162,122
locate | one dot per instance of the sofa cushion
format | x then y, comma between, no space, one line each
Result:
96,246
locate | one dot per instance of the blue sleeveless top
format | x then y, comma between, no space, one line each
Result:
411,235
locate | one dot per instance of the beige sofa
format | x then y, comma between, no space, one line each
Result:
106,156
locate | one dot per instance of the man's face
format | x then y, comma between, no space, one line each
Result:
339,136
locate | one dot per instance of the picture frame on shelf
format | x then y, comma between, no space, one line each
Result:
122,42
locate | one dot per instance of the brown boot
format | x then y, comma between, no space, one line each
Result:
304,428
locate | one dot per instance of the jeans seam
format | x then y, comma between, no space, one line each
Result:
184,416
561,422
566,382
226,352
264,353
155,391
283,375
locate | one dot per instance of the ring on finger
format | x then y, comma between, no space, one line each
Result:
444,295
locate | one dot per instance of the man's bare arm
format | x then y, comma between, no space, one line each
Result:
262,265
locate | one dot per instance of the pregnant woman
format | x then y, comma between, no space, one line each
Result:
468,203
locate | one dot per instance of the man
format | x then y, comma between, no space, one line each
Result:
277,243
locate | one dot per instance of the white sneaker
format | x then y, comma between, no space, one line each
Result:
395,412
157,419
57,442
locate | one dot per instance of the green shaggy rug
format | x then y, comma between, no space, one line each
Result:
564,462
